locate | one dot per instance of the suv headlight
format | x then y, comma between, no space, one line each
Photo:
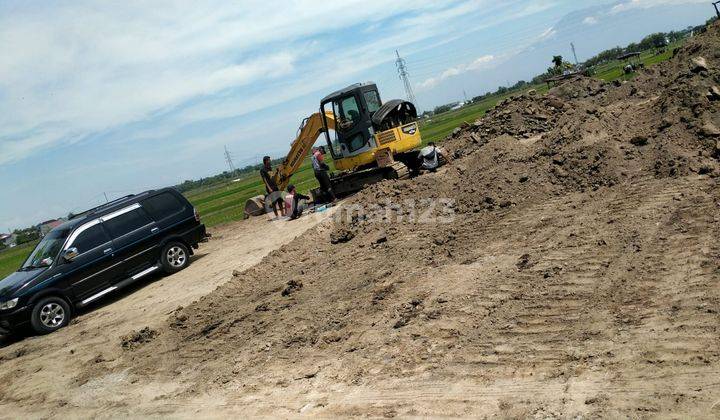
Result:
4,306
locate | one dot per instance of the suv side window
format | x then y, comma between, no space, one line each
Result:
91,238
162,206
126,223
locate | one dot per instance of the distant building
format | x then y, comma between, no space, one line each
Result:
8,239
458,106
49,225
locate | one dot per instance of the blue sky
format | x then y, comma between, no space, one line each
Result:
119,97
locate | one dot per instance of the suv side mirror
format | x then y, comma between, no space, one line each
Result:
70,254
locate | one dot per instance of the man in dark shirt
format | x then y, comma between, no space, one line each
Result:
321,173
271,188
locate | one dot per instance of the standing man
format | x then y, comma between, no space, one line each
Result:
321,172
271,188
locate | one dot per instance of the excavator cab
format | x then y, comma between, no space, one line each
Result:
365,132
353,108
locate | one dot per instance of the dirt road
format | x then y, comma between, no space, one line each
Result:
44,376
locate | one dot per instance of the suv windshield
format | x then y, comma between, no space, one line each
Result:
47,250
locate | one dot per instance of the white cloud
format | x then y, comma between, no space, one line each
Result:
547,33
479,63
645,4
327,69
590,20
80,68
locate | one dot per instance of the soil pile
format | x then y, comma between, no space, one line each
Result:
565,262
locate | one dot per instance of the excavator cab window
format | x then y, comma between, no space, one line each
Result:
347,112
372,99
346,137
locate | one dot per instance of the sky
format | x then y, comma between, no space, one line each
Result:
112,98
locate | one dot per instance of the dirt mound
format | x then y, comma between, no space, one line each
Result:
138,338
565,263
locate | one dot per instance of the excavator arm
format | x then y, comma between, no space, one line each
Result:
308,133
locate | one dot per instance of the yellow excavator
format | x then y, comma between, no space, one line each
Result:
369,141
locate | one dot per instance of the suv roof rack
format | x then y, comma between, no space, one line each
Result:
102,206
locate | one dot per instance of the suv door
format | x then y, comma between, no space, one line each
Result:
134,239
167,210
91,271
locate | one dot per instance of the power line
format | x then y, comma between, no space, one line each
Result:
499,42
405,77
228,160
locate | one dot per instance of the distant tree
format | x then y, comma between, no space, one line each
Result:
27,235
656,40
444,108
557,60
604,57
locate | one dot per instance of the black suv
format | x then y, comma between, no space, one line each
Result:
97,252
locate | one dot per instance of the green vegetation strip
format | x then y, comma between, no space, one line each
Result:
12,258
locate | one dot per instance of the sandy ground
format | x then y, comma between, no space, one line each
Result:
43,376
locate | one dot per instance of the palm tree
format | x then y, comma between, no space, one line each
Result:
557,60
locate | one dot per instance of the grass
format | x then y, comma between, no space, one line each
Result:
12,258
614,69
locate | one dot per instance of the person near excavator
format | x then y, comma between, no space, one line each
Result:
321,173
292,202
430,157
271,188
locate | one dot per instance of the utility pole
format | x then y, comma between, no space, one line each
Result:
572,46
465,95
106,199
405,77
717,10
228,160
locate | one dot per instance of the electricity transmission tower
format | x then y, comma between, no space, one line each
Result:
228,160
405,77
572,46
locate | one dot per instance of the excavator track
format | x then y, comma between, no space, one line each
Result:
355,181
398,170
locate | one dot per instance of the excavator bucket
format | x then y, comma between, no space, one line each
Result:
255,206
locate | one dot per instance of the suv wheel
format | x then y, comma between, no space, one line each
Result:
175,256
49,315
